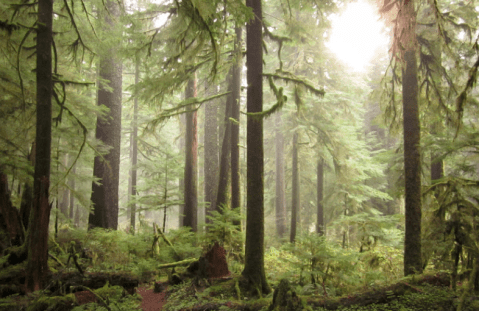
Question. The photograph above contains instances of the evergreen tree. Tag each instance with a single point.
(106, 167)
(254, 248)
(191, 161)
(279, 190)
(411, 131)
(37, 241)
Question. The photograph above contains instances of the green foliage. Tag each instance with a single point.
(222, 229)
(111, 298)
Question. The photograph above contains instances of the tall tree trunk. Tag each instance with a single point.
(222, 193)
(11, 231)
(27, 195)
(295, 206)
(254, 248)
(412, 155)
(37, 241)
(71, 203)
(320, 186)
(211, 152)
(65, 194)
(235, 115)
(108, 130)
(181, 181)
(280, 193)
(191, 162)
(134, 151)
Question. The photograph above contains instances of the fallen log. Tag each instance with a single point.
(177, 263)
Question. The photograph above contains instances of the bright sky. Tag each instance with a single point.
(356, 35)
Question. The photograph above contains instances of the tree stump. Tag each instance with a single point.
(212, 265)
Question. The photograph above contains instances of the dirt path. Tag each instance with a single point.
(151, 301)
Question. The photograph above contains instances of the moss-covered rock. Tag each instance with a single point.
(286, 299)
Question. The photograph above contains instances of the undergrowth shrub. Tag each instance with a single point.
(222, 230)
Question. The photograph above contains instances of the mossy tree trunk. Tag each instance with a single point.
(235, 115)
(134, 151)
(108, 130)
(319, 191)
(222, 193)
(295, 206)
(280, 200)
(254, 250)
(211, 152)
(412, 155)
(191, 162)
(37, 240)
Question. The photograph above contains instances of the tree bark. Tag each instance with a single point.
(211, 153)
(107, 167)
(37, 240)
(295, 206)
(235, 115)
(320, 209)
(412, 155)
(191, 162)
(10, 221)
(222, 193)
(71, 203)
(27, 195)
(134, 151)
(254, 248)
(280, 193)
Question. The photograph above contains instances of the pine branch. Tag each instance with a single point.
(297, 81)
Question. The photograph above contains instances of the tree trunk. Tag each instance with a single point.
(254, 248)
(134, 151)
(37, 240)
(181, 181)
(235, 115)
(65, 194)
(10, 222)
(191, 161)
(295, 206)
(320, 186)
(107, 167)
(222, 194)
(71, 203)
(412, 155)
(280, 193)
(27, 195)
(211, 153)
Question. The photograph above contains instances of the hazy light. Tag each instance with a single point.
(356, 35)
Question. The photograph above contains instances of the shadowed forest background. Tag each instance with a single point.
(137, 134)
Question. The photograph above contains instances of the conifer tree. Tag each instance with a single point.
(191, 162)
(211, 153)
(280, 199)
(37, 241)
(254, 248)
(411, 132)
(295, 205)
(319, 201)
(107, 167)
(235, 121)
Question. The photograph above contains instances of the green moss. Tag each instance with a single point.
(56, 303)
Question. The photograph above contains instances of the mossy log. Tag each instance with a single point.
(177, 263)
(383, 295)
(70, 282)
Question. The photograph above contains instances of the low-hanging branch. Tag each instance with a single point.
(296, 80)
(177, 110)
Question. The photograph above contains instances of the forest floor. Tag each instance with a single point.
(151, 301)
(418, 293)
